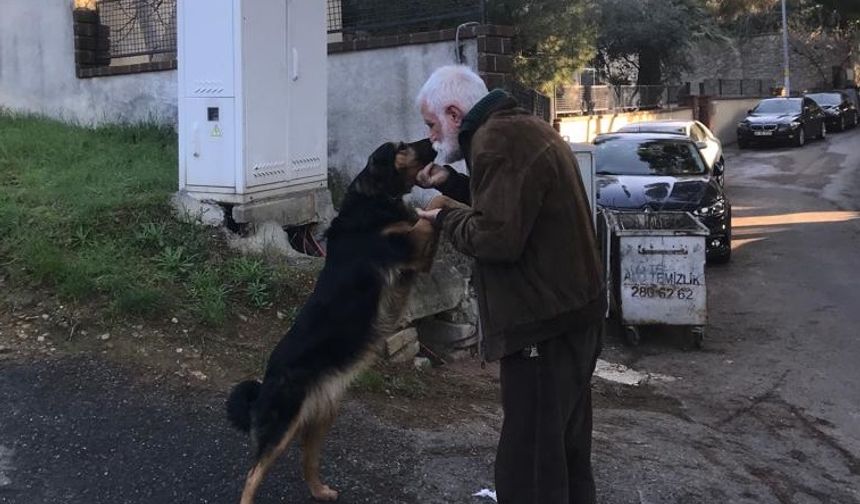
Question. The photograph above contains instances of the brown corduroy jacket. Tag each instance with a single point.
(529, 227)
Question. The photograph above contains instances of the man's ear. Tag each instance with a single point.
(455, 114)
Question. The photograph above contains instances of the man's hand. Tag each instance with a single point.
(431, 176)
(429, 215)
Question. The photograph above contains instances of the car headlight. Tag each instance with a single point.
(715, 209)
(794, 125)
(743, 125)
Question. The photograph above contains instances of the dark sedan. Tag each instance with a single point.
(787, 119)
(657, 172)
(840, 110)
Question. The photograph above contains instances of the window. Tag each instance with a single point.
(124, 36)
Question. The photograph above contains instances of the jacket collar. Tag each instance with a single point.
(494, 101)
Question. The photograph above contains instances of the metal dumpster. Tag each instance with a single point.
(656, 271)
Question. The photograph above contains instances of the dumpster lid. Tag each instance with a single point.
(654, 223)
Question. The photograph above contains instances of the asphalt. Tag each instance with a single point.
(767, 412)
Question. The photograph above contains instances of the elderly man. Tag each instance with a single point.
(523, 214)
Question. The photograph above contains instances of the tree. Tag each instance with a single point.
(652, 36)
(554, 38)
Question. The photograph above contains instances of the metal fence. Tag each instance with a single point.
(738, 87)
(576, 99)
(531, 100)
(388, 17)
(139, 27)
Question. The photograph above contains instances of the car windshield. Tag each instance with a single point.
(635, 156)
(778, 106)
(823, 99)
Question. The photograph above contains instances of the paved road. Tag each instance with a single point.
(768, 412)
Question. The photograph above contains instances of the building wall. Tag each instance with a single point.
(584, 128)
(371, 96)
(37, 72)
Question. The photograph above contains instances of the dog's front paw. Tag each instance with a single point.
(324, 493)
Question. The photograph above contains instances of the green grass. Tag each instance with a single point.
(84, 212)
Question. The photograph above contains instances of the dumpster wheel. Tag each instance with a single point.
(697, 333)
(632, 336)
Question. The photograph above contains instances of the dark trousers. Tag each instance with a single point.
(544, 454)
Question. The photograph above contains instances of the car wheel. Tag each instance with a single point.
(742, 144)
(801, 137)
(842, 124)
(823, 132)
(856, 119)
(723, 258)
(726, 256)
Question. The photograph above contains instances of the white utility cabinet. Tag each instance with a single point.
(585, 159)
(252, 98)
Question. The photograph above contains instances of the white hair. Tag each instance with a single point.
(450, 85)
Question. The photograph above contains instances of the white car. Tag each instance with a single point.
(709, 145)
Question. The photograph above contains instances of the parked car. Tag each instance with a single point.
(841, 111)
(710, 145)
(783, 119)
(662, 171)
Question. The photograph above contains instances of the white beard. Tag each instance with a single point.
(448, 149)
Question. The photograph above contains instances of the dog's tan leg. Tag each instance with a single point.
(425, 240)
(401, 227)
(312, 446)
(258, 472)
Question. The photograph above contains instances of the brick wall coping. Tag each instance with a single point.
(155, 66)
(362, 44)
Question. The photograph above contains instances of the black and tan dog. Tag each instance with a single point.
(375, 247)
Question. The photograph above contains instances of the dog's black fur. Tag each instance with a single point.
(338, 328)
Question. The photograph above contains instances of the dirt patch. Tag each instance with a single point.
(455, 394)
(36, 324)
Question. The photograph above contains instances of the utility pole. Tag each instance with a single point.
(787, 82)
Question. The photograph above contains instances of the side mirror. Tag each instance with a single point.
(702, 145)
(750, 111)
(719, 169)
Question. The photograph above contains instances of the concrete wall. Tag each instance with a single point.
(585, 128)
(371, 97)
(37, 72)
(725, 116)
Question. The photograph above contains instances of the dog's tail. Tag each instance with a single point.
(239, 404)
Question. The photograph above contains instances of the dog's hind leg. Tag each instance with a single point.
(258, 472)
(312, 446)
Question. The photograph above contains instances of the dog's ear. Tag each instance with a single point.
(382, 160)
(379, 175)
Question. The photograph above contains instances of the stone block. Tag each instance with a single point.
(465, 313)
(190, 209)
(400, 340)
(290, 210)
(407, 353)
(443, 289)
(266, 238)
(420, 363)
